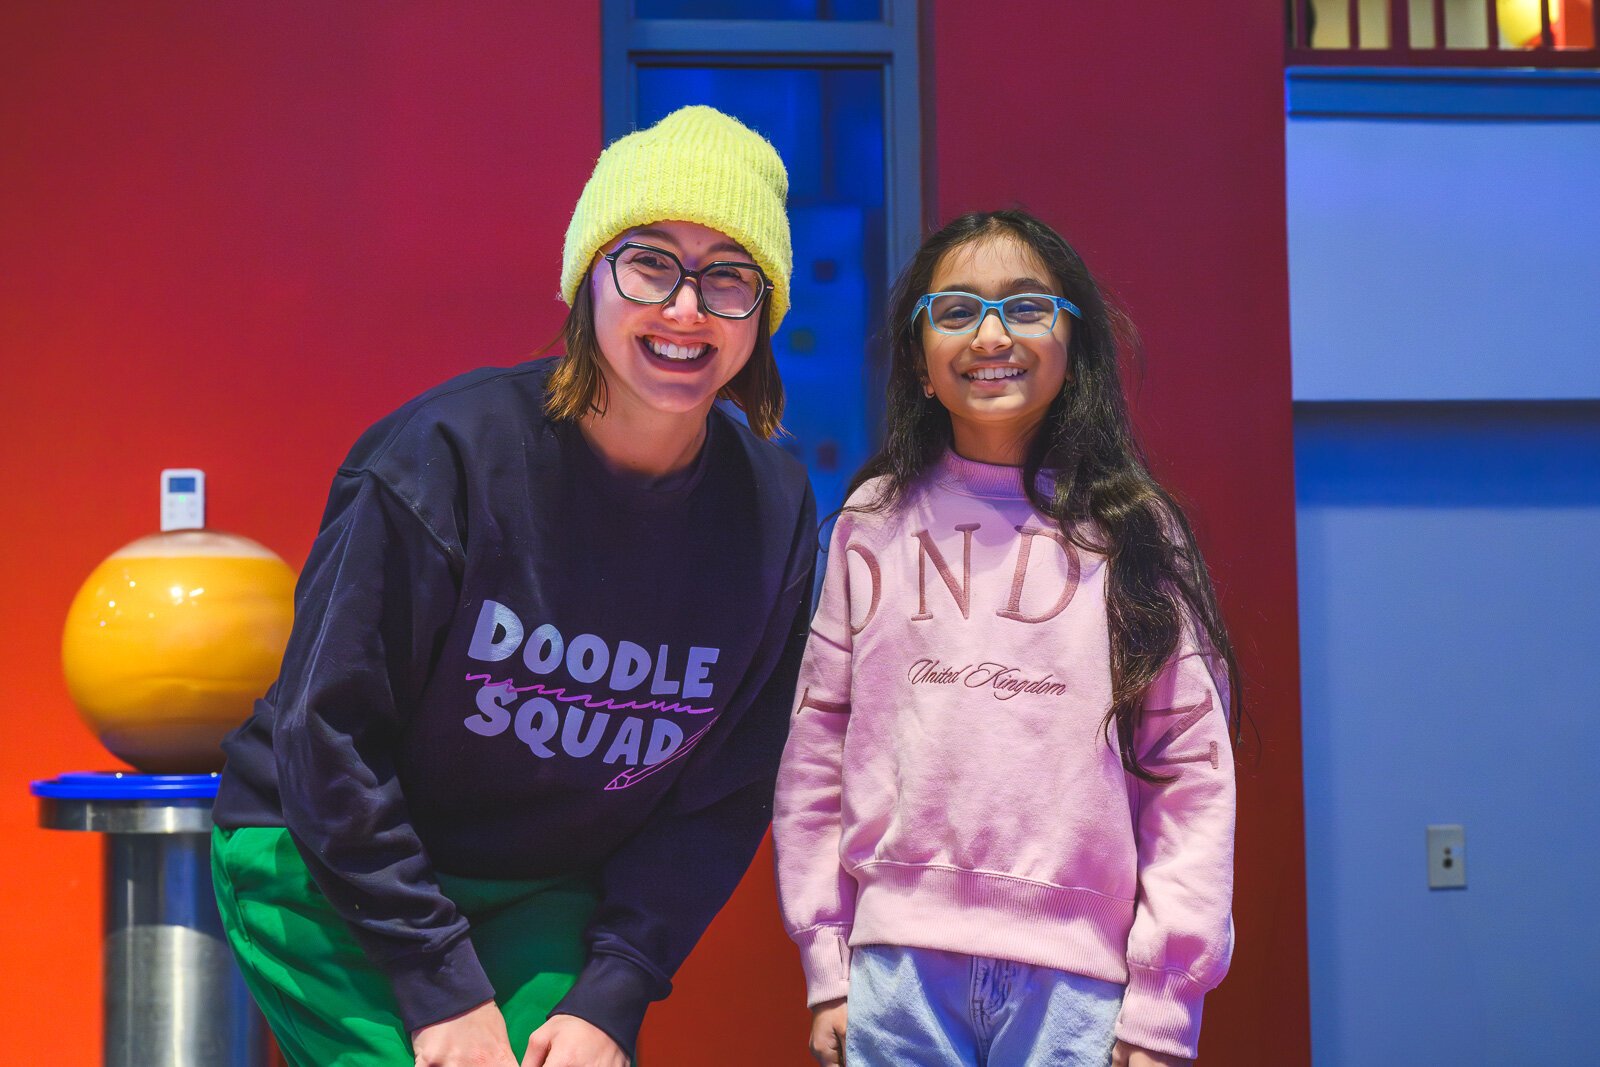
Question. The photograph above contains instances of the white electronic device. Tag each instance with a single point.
(183, 499)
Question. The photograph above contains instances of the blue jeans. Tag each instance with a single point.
(912, 1007)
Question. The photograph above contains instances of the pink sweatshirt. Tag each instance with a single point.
(947, 784)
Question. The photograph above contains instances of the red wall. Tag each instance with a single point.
(232, 235)
(1159, 153)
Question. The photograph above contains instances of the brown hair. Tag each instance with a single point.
(578, 386)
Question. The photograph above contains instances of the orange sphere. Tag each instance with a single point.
(169, 642)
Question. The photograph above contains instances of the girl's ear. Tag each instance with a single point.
(922, 376)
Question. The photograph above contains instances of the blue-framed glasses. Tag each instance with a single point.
(1023, 315)
(645, 274)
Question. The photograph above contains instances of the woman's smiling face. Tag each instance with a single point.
(997, 387)
(669, 358)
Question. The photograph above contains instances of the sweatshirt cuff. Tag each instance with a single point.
(612, 993)
(1161, 1012)
(825, 956)
(435, 986)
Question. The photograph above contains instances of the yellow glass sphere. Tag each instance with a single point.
(170, 641)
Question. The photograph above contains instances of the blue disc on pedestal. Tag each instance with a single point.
(126, 785)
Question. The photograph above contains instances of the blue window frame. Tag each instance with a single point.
(834, 87)
(843, 10)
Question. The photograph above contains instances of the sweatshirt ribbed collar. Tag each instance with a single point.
(989, 480)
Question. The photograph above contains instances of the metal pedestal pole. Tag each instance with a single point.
(173, 995)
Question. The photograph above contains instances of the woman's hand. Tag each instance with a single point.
(475, 1038)
(827, 1032)
(1126, 1055)
(568, 1041)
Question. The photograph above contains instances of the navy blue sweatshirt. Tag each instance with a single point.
(508, 663)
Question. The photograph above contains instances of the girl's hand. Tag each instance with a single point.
(1126, 1055)
(477, 1038)
(568, 1041)
(827, 1032)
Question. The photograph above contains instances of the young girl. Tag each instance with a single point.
(523, 742)
(1004, 817)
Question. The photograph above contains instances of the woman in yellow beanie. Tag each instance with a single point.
(523, 742)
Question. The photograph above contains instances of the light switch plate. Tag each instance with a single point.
(1447, 857)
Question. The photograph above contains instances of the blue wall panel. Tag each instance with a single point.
(1440, 259)
(1450, 617)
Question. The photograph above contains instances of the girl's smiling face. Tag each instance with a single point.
(996, 387)
(672, 358)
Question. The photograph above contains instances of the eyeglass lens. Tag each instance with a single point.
(1025, 315)
(648, 276)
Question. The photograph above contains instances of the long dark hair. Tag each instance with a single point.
(577, 387)
(1104, 498)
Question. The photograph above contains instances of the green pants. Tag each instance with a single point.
(328, 1006)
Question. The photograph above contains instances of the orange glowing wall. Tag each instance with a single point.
(233, 235)
(1575, 27)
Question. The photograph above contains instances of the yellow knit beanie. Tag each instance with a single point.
(695, 165)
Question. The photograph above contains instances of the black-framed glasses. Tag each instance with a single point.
(1023, 315)
(728, 289)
